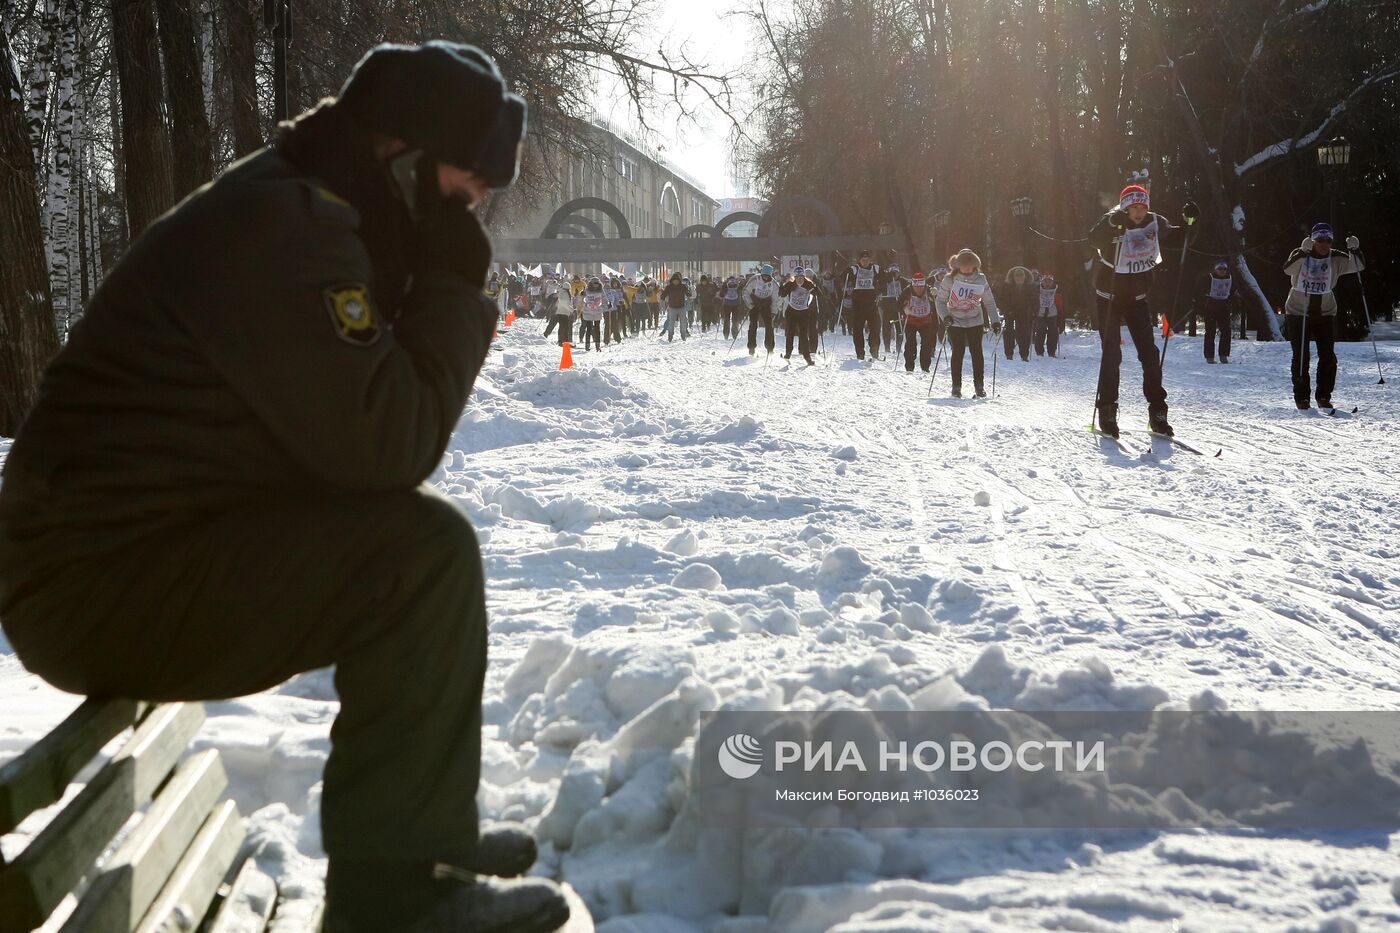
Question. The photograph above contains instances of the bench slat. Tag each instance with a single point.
(185, 899)
(126, 886)
(248, 906)
(39, 777)
(54, 861)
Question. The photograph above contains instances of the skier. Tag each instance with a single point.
(1219, 293)
(891, 288)
(862, 280)
(593, 308)
(916, 303)
(1019, 301)
(967, 308)
(1050, 308)
(689, 306)
(830, 301)
(561, 306)
(758, 298)
(1129, 240)
(1311, 309)
(705, 293)
(799, 292)
(251, 501)
(676, 293)
(492, 291)
(732, 298)
(614, 319)
(651, 292)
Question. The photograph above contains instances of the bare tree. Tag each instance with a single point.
(27, 337)
(145, 138)
(184, 88)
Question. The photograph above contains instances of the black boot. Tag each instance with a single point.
(505, 850)
(957, 391)
(1108, 420)
(981, 392)
(1157, 422)
(423, 897)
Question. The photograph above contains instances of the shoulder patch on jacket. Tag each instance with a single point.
(352, 315)
(325, 204)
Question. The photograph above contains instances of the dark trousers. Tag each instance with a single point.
(1016, 332)
(890, 330)
(1217, 322)
(730, 316)
(1047, 335)
(385, 586)
(591, 331)
(614, 324)
(923, 335)
(1322, 330)
(797, 326)
(865, 323)
(761, 313)
(565, 323)
(964, 339)
(654, 313)
(1138, 319)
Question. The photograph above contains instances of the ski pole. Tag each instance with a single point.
(1367, 308)
(936, 360)
(994, 369)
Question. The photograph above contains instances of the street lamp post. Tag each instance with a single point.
(940, 220)
(277, 16)
(1333, 159)
(1022, 207)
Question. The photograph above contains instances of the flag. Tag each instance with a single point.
(558, 268)
(535, 272)
(1166, 327)
(609, 270)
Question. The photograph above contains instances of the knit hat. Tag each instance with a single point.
(1133, 194)
(1321, 231)
(918, 280)
(446, 98)
(766, 269)
(1222, 264)
(1047, 277)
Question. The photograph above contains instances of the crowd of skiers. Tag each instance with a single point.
(881, 308)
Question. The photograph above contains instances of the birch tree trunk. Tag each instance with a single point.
(57, 202)
(27, 338)
(38, 90)
(145, 142)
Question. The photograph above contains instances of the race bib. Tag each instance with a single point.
(593, 302)
(1141, 250)
(731, 295)
(1316, 276)
(918, 307)
(1047, 302)
(763, 289)
(893, 288)
(966, 296)
(865, 278)
(1220, 288)
(800, 298)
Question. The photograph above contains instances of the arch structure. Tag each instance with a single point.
(565, 215)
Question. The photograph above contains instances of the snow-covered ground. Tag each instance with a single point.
(669, 529)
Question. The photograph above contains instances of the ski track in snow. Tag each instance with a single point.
(669, 528)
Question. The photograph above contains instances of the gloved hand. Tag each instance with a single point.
(1190, 212)
(1353, 242)
(996, 327)
(449, 238)
(1118, 218)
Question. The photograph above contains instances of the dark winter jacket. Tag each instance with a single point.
(675, 294)
(1019, 302)
(1126, 288)
(706, 292)
(236, 355)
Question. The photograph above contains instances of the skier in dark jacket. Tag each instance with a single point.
(1217, 295)
(1314, 269)
(800, 307)
(676, 294)
(706, 295)
(920, 314)
(1129, 240)
(220, 484)
(1018, 303)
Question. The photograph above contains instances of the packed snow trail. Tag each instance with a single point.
(667, 529)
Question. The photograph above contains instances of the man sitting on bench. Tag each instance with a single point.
(219, 486)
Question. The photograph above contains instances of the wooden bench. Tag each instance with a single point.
(106, 859)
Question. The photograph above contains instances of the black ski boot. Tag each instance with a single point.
(1325, 402)
(1157, 422)
(1303, 404)
(957, 391)
(1108, 421)
(506, 850)
(423, 897)
(981, 392)
(808, 358)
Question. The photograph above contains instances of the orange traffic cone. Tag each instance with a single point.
(567, 360)
(510, 317)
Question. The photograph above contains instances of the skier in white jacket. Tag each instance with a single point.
(967, 309)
